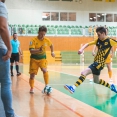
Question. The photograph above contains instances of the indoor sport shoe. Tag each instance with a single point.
(113, 88)
(18, 74)
(69, 88)
(31, 90)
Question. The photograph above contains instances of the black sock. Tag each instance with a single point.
(17, 68)
(11, 69)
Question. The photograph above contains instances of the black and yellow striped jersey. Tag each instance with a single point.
(104, 48)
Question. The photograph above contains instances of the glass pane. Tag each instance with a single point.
(72, 16)
(54, 16)
(46, 16)
(115, 17)
(109, 17)
(92, 17)
(63, 16)
(100, 17)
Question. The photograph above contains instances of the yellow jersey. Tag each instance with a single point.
(35, 43)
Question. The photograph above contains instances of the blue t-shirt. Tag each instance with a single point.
(15, 46)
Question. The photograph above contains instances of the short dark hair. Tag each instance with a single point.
(101, 30)
(43, 28)
(14, 34)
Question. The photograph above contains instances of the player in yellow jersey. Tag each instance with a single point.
(38, 60)
(104, 45)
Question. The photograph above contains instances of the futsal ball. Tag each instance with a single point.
(48, 90)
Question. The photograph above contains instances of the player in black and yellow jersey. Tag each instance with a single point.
(108, 61)
(104, 45)
(38, 56)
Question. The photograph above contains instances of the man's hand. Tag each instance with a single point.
(41, 48)
(80, 51)
(52, 54)
(93, 53)
(7, 56)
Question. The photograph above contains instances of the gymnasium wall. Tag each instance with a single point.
(60, 43)
(26, 12)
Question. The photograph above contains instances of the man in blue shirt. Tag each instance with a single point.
(5, 54)
(16, 51)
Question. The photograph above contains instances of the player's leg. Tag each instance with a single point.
(17, 64)
(43, 66)
(5, 80)
(104, 83)
(33, 69)
(11, 66)
(109, 71)
(81, 79)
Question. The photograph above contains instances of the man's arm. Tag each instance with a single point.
(52, 51)
(5, 36)
(94, 50)
(35, 51)
(112, 52)
(82, 48)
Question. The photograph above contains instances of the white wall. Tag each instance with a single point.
(25, 12)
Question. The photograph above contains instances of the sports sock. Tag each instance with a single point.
(17, 68)
(110, 74)
(11, 69)
(80, 80)
(31, 83)
(46, 78)
(102, 82)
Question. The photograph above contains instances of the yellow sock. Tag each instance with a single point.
(110, 74)
(102, 82)
(31, 83)
(46, 78)
(80, 80)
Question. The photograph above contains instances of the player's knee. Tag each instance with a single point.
(32, 76)
(83, 73)
(44, 70)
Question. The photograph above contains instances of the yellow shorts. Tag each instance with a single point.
(109, 59)
(36, 64)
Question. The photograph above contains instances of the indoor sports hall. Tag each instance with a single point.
(70, 25)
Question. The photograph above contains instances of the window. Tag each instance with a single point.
(72, 16)
(109, 17)
(63, 16)
(115, 17)
(92, 17)
(100, 17)
(54, 16)
(46, 16)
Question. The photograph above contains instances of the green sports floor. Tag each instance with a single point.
(95, 95)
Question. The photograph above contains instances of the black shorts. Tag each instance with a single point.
(14, 57)
(94, 70)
